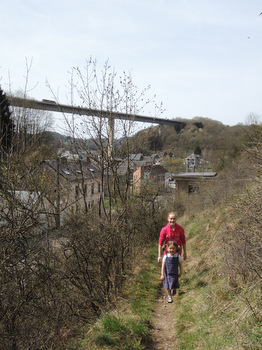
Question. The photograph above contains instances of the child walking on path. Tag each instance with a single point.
(171, 269)
(172, 232)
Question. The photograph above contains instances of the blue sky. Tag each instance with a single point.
(201, 58)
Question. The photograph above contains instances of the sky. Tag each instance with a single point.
(200, 58)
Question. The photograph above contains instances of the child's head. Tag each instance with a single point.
(171, 213)
(172, 247)
(171, 218)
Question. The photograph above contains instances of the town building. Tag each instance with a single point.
(77, 187)
(191, 182)
(192, 162)
(149, 174)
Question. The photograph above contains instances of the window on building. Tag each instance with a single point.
(192, 188)
(92, 189)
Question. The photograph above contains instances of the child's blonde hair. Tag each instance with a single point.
(172, 213)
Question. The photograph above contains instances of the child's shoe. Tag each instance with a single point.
(169, 299)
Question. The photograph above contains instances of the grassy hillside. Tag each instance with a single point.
(219, 302)
(218, 308)
(215, 309)
(214, 141)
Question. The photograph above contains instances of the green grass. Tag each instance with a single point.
(209, 313)
(122, 333)
(129, 330)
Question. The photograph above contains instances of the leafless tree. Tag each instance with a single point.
(106, 91)
(51, 286)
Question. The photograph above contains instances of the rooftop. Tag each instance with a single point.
(192, 175)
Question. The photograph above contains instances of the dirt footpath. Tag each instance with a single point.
(163, 333)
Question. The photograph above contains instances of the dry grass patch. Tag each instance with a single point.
(211, 313)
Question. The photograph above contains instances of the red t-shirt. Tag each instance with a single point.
(168, 234)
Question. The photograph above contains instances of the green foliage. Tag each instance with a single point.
(173, 164)
(198, 150)
(215, 142)
(199, 125)
(122, 333)
(128, 329)
(143, 293)
(179, 126)
(156, 142)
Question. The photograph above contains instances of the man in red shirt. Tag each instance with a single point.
(172, 232)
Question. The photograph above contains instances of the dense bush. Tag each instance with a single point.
(51, 286)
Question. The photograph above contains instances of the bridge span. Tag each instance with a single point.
(52, 106)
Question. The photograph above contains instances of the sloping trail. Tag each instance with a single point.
(163, 333)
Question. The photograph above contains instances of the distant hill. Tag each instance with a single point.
(212, 140)
(215, 142)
